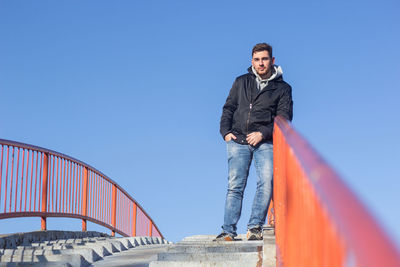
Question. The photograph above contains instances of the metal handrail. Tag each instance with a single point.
(52, 184)
(318, 220)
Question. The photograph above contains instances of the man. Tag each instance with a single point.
(247, 121)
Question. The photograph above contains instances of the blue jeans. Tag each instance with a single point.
(239, 160)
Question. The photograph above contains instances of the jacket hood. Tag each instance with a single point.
(262, 83)
(277, 72)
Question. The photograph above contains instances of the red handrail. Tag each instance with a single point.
(318, 220)
(35, 181)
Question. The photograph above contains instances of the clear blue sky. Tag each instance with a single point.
(136, 88)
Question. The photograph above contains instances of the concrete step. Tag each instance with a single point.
(139, 256)
(32, 255)
(37, 264)
(218, 247)
(214, 249)
(202, 251)
(13, 240)
(204, 264)
(249, 256)
(72, 260)
(73, 249)
(207, 238)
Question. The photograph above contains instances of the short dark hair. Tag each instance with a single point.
(262, 47)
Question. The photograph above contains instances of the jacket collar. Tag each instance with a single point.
(271, 85)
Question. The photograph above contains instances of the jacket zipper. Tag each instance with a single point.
(248, 115)
(248, 118)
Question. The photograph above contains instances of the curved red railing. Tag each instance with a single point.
(318, 220)
(39, 182)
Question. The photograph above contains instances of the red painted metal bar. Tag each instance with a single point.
(16, 183)
(12, 175)
(134, 219)
(92, 193)
(98, 204)
(44, 188)
(114, 208)
(5, 196)
(52, 184)
(57, 188)
(22, 179)
(26, 180)
(76, 188)
(76, 184)
(40, 178)
(66, 187)
(61, 191)
(64, 192)
(151, 229)
(79, 173)
(1, 168)
(102, 199)
(95, 194)
(85, 197)
(31, 181)
(71, 186)
(70, 179)
(108, 204)
(36, 172)
(89, 194)
(318, 220)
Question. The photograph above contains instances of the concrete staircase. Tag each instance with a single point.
(202, 251)
(61, 248)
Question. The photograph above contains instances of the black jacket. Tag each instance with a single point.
(249, 110)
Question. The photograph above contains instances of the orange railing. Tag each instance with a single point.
(39, 182)
(318, 220)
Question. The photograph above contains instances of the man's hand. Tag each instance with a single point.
(254, 138)
(229, 137)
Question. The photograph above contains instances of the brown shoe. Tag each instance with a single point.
(254, 234)
(224, 237)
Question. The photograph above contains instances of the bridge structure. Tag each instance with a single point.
(35, 181)
(318, 220)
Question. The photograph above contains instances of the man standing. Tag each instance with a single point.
(247, 121)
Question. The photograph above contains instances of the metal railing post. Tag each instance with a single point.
(114, 209)
(151, 228)
(134, 219)
(44, 189)
(85, 190)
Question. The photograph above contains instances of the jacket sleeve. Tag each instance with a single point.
(285, 104)
(266, 131)
(228, 110)
(284, 109)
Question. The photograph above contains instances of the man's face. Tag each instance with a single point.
(262, 63)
